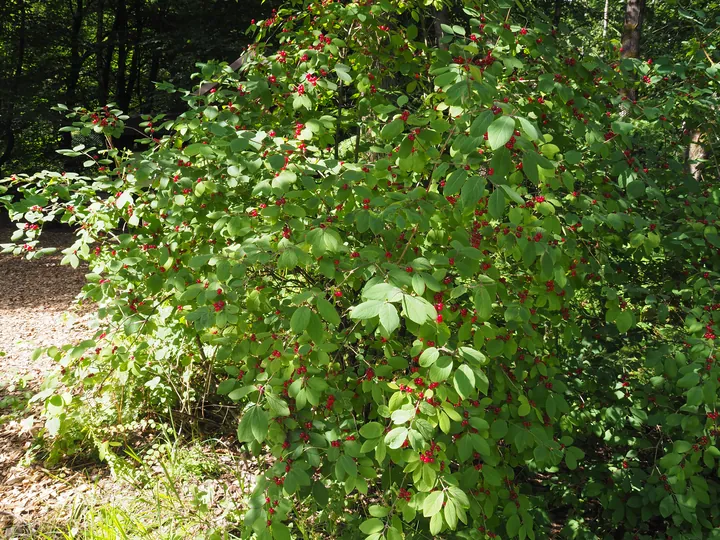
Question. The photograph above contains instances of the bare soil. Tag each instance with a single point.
(37, 309)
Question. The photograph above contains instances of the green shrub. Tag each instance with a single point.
(470, 287)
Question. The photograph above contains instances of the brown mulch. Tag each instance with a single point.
(37, 309)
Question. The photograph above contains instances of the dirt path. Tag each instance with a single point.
(37, 309)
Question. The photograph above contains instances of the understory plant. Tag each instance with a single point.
(455, 284)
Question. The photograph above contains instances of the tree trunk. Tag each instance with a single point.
(605, 18)
(122, 33)
(148, 104)
(134, 75)
(109, 54)
(441, 17)
(696, 151)
(631, 35)
(631, 28)
(75, 57)
(15, 85)
(102, 75)
(557, 12)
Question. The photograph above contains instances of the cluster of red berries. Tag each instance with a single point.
(428, 456)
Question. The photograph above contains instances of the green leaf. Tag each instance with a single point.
(288, 259)
(327, 311)
(348, 465)
(211, 112)
(667, 506)
(481, 124)
(396, 437)
(418, 284)
(450, 514)
(513, 525)
(472, 191)
(239, 393)
(278, 407)
(384, 292)
(300, 319)
(259, 424)
(366, 310)
(573, 157)
(429, 356)
(253, 425)
(496, 204)
(433, 503)
(464, 381)
(455, 182)
(529, 128)
(689, 380)
(498, 429)
(510, 192)
(441, 369)
(695, 396)
(320, 493)
(343, 72)
(393, 129)
(473, 356)
(624, 321)
(280, 531)
(389, 318)
(417, 309)
(572, 455)
(372, 525)
(372, 430)
(500, 131)
(436, 523)
(483, 304)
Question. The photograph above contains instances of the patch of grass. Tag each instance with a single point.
(14, 398)
(170, 490)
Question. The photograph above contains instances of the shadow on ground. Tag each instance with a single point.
(37, 309)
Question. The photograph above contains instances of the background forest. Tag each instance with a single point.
(89, 53)
(85, 52)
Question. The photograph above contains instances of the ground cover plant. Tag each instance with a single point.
(455, 282)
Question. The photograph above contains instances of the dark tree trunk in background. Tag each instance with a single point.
(158, 15)
(441, 17)
(631, 35)
(696, 151)
(75, 57)
(134, 76)
(121, 24)
(632, 28)
(102, 75)
(109, 53)
(147, 96)
(9, 133)
(557, 13)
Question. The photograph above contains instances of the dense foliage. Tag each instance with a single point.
(458, 289)
(90, 52)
